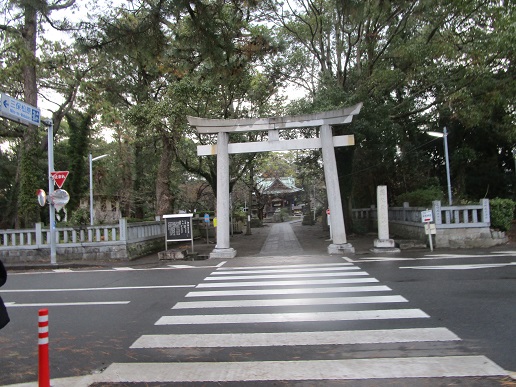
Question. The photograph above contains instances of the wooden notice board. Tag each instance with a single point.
(178, 228)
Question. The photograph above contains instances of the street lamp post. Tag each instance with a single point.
(91, 184)
(444, 134)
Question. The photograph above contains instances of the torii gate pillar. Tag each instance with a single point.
(273, 125)
(337, 225)
(222, 248)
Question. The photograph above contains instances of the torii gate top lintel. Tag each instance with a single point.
(332, 117)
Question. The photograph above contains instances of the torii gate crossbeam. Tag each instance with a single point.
(272, 125)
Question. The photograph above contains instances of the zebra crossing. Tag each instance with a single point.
(315, 322)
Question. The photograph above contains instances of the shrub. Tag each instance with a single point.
(420, 198)
(502, 213)
(256, 223)
(80, 217)
(360, 226)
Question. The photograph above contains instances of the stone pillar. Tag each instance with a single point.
(222, 248)
(338, 229)
(486, 212)
(383, 244)
(436, 208)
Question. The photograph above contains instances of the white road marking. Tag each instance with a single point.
(125, 268)
(289, 302)
(412, 367)
(110, 270)
(221, 264)
(439, 256)
(286, 275)
(48, 304)
(460, 267)
(272, 267)
(288, 283)
(424, 258)
(295, 338)
(305, 270)
(249, 292)
(94, 289)
(293, 317)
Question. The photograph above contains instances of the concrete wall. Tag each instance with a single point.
(109, 251)
(477, 237)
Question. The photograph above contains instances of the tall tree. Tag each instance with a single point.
(417, 66)
(21, 32)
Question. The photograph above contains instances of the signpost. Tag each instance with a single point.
(207, 221)
(328, 216)
(19, 111)
(427, 217)
(178, 228)
(26, 114)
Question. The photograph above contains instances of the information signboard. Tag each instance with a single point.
(19, 111)
(178, 228)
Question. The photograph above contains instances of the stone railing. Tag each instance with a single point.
(457, 226)
(118, 241)
(104, 242)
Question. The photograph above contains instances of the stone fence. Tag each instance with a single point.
(104, 242)
(118, 241)
(456, 226)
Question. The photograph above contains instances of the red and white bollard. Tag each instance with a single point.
(43, 364)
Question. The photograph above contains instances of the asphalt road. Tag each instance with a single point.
(471, 293)
(129, 322)
(94, 316)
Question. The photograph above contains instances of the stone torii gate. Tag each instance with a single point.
(326, 141)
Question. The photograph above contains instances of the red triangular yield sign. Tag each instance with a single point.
(59, 177)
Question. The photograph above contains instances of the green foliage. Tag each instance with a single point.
(502, 213)
(80, 217)
(78, 155)
(239, 216)
(421, 197)
(417, 66)
(31, 179)
(256, 223)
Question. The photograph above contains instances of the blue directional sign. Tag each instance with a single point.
(19, 111)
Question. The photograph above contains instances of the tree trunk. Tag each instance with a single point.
(164, 197)
(28, 207)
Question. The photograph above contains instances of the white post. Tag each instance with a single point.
(333, 191)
